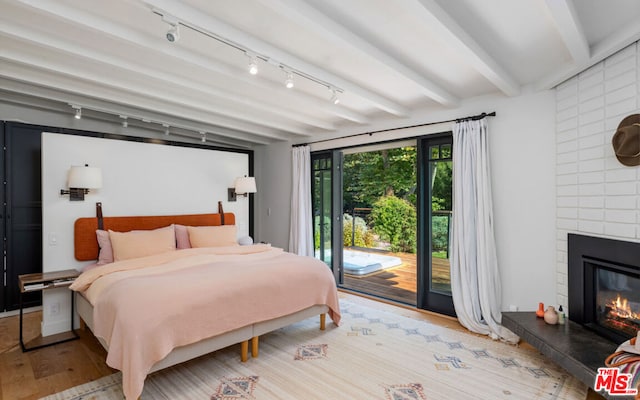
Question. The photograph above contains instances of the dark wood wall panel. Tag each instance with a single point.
(23, 210)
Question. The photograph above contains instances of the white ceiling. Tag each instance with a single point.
(387, 59)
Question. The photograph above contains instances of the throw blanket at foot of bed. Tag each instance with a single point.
(146, 307)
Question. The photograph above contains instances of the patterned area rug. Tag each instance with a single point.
(373, 355)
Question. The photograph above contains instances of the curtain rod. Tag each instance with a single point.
(470, 118)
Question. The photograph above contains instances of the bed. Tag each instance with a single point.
(158, 310)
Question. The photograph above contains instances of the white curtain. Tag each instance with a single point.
(301, 230)
(475, 278)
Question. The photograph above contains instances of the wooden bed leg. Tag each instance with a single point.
(323, 321)
(83, 325)
(254, 346)
(244, 351)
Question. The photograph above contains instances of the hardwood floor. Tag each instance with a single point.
(38, 373)
(29, 376)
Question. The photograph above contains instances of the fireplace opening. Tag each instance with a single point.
(604, 285)
(617, 299)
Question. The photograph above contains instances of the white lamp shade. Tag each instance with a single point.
(85, 177)
(246, 184)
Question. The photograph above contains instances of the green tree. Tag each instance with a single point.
(441, 191)
(395, 221)
(368, 176)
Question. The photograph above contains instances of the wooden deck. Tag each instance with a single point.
(398, 283)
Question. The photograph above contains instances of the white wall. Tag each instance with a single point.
(522, 143)
(138, 179)
(272, 165)
(522, 151)
(597, 195)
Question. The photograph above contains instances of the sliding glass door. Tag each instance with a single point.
(382, 219)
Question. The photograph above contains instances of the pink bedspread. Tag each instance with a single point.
(144, 308)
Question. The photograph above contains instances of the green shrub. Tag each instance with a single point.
(316, 230)
(395, 221)
(440, 233)
(363, 236)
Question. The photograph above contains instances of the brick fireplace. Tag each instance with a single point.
(595, 194)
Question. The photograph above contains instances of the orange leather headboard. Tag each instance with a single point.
(84, 230)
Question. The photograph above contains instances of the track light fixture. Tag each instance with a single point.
(289, 81)
(125, 123)
(203, 139)
(253, 63)
(166, 129)
(253, 68)
(334, 96)
(173, 34)
(78, 111)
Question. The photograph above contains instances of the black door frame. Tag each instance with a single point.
(428, 299)
(320, 189)
(335, 157)
(3, 292)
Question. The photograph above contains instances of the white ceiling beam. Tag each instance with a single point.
(21, 32)
(206, 23)
(301, 12)
(615, 42)
(130, 86)
(144, 127)
(157, 44)
(570, 29)
(27, 94)
(460, 41)
(53, 79)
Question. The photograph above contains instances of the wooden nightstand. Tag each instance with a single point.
(44, 281)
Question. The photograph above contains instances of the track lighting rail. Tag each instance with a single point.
(253, 55)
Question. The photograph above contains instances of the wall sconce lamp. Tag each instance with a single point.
(80, 180)
(242, 187)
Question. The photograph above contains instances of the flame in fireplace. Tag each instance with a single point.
(621, 308)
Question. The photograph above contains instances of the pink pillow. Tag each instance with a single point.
(134, 244)
(105, 256)
(182, 237)
(213, 236)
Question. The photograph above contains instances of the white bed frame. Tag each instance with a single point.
(241, 335)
